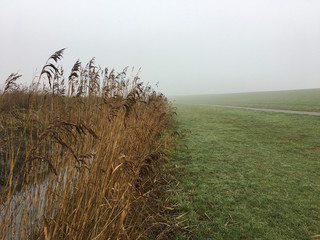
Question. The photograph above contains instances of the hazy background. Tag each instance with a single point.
(188, 46)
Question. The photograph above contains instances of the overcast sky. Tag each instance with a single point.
(188, 46)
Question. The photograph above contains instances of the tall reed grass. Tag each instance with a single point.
(79, 155)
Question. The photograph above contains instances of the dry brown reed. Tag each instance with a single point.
(79, 159)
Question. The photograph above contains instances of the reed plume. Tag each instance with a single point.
(80, 158)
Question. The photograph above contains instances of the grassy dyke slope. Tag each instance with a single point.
(303, 100)
(248, 174)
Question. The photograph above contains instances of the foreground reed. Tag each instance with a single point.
(79, 157)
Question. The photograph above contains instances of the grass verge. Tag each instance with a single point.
(248, 174)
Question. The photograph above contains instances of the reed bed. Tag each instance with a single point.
(80, 155)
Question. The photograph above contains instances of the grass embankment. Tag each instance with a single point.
(80, 160)
(300, 100)
(248, 174)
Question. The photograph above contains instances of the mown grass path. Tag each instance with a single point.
(265, 109)
(248, 174)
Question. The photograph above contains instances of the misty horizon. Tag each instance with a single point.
(189, 47)
(230, 93)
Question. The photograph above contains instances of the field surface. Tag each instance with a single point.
(300, 100)
(248, 174)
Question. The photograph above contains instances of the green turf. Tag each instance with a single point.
(303, 100)
(248, 174)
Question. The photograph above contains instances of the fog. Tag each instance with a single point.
(188, 46)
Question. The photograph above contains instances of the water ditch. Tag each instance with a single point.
(26, 207)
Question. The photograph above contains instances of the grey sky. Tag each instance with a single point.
(188, 46)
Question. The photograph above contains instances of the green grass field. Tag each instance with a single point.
(303, 100)
(248, 174)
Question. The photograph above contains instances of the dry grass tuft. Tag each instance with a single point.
(80, 159)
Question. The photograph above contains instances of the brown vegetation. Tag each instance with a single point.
(79, 159)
